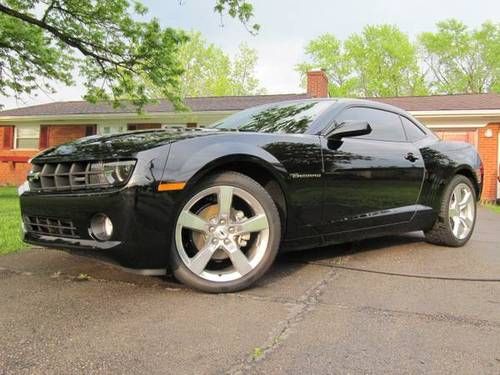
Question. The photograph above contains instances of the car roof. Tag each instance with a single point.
(346, 102)
(338, 105)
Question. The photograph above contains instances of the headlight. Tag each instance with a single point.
(118, 172)
(111, 173)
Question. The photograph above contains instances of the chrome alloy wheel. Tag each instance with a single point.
(461, 211)
(227, 242)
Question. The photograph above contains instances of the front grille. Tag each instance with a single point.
(50, 226)
(67, 176)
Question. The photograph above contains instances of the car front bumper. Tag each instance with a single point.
(141, 220)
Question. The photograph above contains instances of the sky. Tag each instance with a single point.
(287, 26)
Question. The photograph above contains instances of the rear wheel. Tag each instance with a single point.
(457, 216)
(226, 235)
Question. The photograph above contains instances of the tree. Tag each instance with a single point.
(116, 55)
(205, 68)
(208, 71)
(243, 78)
(381, 61)
(385, 62)
(327, 53)
(461, 60)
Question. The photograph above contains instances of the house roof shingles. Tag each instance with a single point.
(234, 103)
(216, 103)
(444, 102)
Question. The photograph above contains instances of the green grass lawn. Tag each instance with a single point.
(10, 221)
(494, 207)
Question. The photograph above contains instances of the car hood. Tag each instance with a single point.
(118, 145)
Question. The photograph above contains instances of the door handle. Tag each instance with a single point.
(410, 157)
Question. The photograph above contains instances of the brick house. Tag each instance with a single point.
(24, 131)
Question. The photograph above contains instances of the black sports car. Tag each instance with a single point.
(215, 205)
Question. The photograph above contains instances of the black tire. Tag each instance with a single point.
(237, 180)
(441, 233)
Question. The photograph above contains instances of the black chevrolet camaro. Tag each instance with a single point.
(214, 205)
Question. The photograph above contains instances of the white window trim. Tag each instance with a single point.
(114, 128)
(16, 129)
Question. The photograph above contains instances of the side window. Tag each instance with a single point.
(413, 132)
(386, 126)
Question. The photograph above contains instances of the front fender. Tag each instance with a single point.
(294, 160)
(187, 162)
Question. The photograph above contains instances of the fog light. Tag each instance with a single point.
(101, 227)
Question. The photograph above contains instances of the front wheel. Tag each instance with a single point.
(457, 216)
(226, 235)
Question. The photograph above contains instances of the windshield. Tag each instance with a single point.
(289, 117)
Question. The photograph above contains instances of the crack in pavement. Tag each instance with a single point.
(255, 297)
(299, 309)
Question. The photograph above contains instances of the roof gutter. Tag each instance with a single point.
(483, 115)
(457, 113)
(92, 117)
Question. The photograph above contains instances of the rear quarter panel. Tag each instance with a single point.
(443, 160)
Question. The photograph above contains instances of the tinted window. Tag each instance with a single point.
(291, 117)
(386, 126)
(413, 132)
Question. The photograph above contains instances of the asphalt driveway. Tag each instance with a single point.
(393, 305)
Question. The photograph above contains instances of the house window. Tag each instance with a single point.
(27, 136)
(143, 126)
(111, 129)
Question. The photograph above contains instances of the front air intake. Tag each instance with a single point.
(50, 226)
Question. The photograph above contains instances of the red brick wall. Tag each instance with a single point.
(14, 173)
(317, 84)
(488, 149)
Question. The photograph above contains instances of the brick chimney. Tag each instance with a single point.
(317, 84)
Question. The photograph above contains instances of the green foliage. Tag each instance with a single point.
(243, 77)
(10, 221)
(381, 61)
(208, 71)
(101, 41)
(461, 60)
(257, 353)
(327, 52)
(241, 9)
(385, 62)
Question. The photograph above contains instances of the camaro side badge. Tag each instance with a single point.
(305, 175)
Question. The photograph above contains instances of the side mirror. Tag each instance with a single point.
(349, 129)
